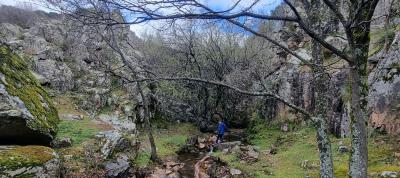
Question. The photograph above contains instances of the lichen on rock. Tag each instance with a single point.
(28, 161)
(26, 111)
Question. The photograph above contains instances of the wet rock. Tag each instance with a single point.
(170, 170)
(389, 174)
(227, 145)
(61, 142)
(173, 166)
(29, 161)
(343, 149)
(235, 172)
(119, 167)
(211, 166)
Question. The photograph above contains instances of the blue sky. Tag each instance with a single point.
(263, 6)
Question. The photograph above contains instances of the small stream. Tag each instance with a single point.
(190, 159)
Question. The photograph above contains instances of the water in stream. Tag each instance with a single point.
(191, 158)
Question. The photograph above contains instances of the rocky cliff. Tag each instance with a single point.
(27, 114)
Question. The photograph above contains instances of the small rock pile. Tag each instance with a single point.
(211, 166)
(170, 169)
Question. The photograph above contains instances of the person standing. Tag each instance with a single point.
(221, 130)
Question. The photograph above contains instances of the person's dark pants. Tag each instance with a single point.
(219, 137)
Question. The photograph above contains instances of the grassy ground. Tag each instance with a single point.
(80, 159)
(78, 130)
(169, 137)
(295, 147)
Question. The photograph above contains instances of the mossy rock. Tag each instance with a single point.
(27, 114)
(28, 161)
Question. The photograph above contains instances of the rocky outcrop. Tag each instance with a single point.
(384, 96)
(27, 115)
(29, 161)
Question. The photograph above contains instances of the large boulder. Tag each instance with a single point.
(27, 115)
(29, 161)
(384, 93)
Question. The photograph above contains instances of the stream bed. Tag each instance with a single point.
(191, 158)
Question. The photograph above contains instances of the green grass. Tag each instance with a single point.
(169, 137)
(143, 159)
(299, 145)
(77, 130)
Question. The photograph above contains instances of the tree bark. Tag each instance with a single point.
(324, 147)
(147, 124)
(321, 101)
(358, 37)
(359, 152)
(320, 88)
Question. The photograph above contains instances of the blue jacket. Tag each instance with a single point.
(221, 128)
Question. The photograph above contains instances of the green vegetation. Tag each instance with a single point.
(78, 130)
(20, 82)
(169, 137)
(378, 39)
(12, 158)
(295, 147)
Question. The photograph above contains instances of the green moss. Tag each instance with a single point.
(78, 131)
(20, 82)
(12, 158)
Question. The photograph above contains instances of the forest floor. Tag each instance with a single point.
(296, 150)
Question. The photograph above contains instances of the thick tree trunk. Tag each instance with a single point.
(359, 40)
(359, 152)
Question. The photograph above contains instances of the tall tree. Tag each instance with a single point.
(356, 24)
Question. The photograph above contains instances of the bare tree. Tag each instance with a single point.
(356, 24)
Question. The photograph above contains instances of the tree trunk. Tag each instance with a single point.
(320, 88)
(358, 82)
(324, 147)
(321, 103)
(147, 125)
(359, 152)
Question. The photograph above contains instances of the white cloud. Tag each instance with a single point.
(36, 4)
(143, 29)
